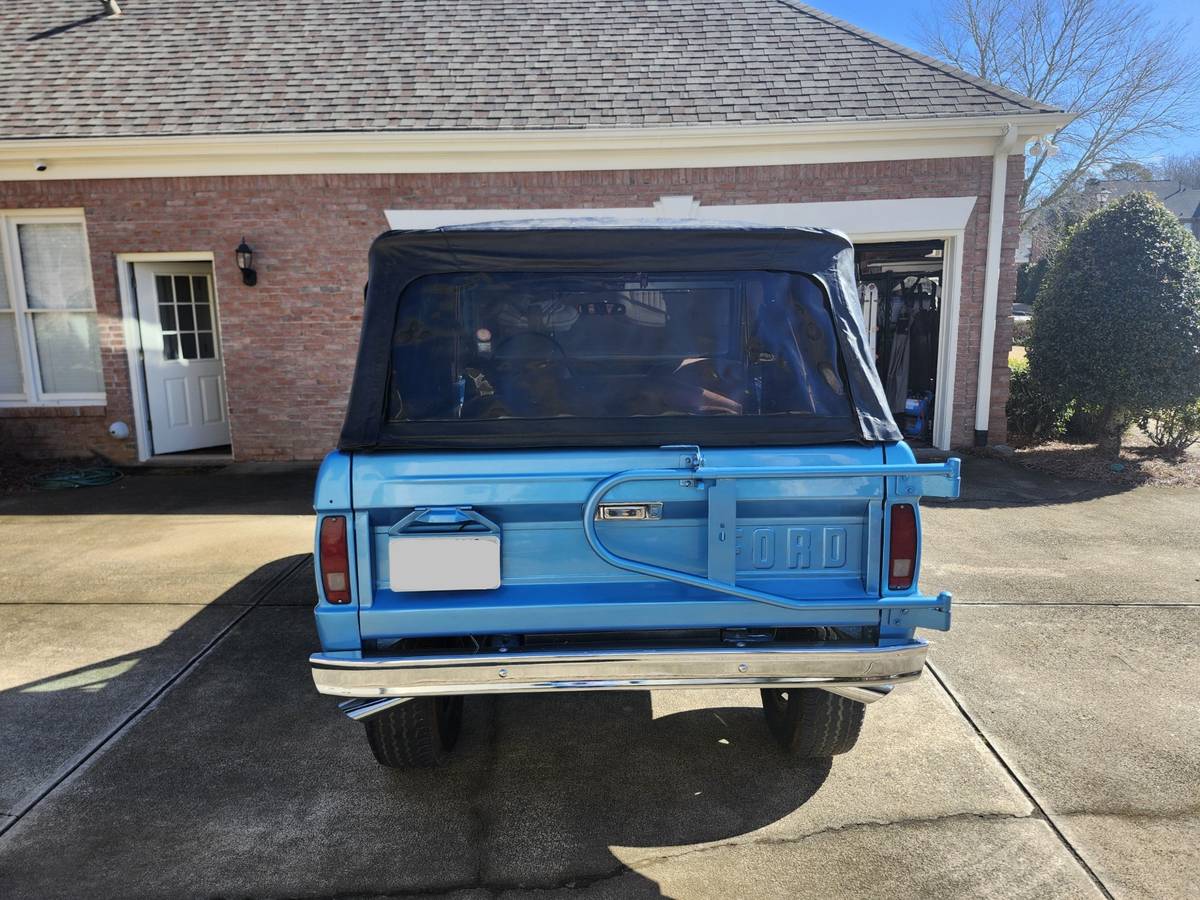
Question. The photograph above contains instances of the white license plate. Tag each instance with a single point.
(453, 562)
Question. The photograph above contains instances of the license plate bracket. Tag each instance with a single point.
(423, 556)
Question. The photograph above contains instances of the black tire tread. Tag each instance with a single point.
(406, 736)
(816, 723)
(832, 724)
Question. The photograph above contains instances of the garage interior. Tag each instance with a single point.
(900, 285)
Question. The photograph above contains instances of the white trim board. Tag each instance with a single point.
(197, 256)
(529, 150)
(928, 218)
(859, 219)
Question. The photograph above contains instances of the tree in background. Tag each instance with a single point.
(1184, 168)
(1047, 226)
(1127, 78)
(1116, 323)
(1130, 170)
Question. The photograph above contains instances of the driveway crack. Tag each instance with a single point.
(583, 882)
(831, 829)
(492, 889)
(1042, 813)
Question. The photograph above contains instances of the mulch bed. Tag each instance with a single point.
(1140, 462)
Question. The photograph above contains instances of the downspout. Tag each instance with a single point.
(991, 281)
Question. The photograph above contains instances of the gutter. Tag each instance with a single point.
(584, 149)
(1009, 141)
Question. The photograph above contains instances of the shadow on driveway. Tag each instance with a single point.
(134, 652)
(242, 779)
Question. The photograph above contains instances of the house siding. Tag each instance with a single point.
(289, 342)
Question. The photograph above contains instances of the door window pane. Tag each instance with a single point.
(11, 379)
(54, 265)
(162, 284)
(170, 346)
(183, 290)
(207, 346)
(166, 316)
(187, 342)
(68, 350)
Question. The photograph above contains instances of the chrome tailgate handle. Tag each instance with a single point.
(629, 512)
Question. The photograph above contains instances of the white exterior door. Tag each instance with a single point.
(185, 381)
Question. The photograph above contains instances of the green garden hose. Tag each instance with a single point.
(76, 478)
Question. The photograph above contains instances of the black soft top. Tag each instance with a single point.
(398, 258)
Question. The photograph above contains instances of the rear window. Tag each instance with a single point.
(490, 347)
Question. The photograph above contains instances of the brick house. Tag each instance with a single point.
(138, 148)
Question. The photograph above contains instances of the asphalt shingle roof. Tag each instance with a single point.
(170, 67)
(1185, 204)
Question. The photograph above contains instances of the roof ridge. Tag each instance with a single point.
(944, 67)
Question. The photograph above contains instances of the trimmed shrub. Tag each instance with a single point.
(1173, 429)
(1029, 280)
(1032, 410)
(1117, 320)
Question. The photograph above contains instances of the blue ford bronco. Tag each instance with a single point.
(597, 455)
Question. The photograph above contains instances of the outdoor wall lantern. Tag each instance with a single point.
(245, 262)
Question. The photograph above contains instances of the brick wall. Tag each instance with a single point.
(288, 342)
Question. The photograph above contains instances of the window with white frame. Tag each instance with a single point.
(49, 343)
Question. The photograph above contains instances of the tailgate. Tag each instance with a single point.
(755, 537)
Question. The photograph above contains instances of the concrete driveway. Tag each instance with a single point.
(161, 737)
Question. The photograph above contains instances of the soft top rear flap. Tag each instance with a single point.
(398, 258)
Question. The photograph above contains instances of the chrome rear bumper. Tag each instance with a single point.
(862, 673)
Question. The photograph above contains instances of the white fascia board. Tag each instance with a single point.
(512, 151)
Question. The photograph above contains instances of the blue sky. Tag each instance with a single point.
(897, 20)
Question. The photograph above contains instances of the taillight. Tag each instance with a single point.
(902, 557)
(335, 559)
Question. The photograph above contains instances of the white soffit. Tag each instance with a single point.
(860, 219)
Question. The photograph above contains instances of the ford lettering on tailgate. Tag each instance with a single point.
(791, 547)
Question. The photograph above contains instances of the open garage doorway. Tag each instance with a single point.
(901, 286)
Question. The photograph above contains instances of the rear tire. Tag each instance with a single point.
(417, 734)
(810, 723)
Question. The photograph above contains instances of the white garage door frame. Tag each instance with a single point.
(863, 221)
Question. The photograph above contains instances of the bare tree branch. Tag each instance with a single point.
(1126, 76)
(1183, 168)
